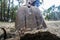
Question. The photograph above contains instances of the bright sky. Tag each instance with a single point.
(49, 3)
(46, 4)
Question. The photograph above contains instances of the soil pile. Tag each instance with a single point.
(40, 36)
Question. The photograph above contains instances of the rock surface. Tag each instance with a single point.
(52, 26)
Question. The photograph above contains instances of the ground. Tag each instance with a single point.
(52, 26)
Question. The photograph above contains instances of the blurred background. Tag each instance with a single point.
(50, 9)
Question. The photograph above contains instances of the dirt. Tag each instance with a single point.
(52, 26)
(40, 36)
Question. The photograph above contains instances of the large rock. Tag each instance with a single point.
(29, 18)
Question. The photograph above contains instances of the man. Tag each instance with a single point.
(29, 16)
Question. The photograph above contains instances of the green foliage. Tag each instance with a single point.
(13, 12)
(8, 9)
(59, 8)
(51, 14)
(47, 17)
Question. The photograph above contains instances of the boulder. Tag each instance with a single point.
(29, 18)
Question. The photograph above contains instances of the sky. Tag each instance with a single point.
(46, 4)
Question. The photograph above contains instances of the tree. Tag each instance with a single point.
(20, 1)
(3, 6)
(8, 9)
(52, 13)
